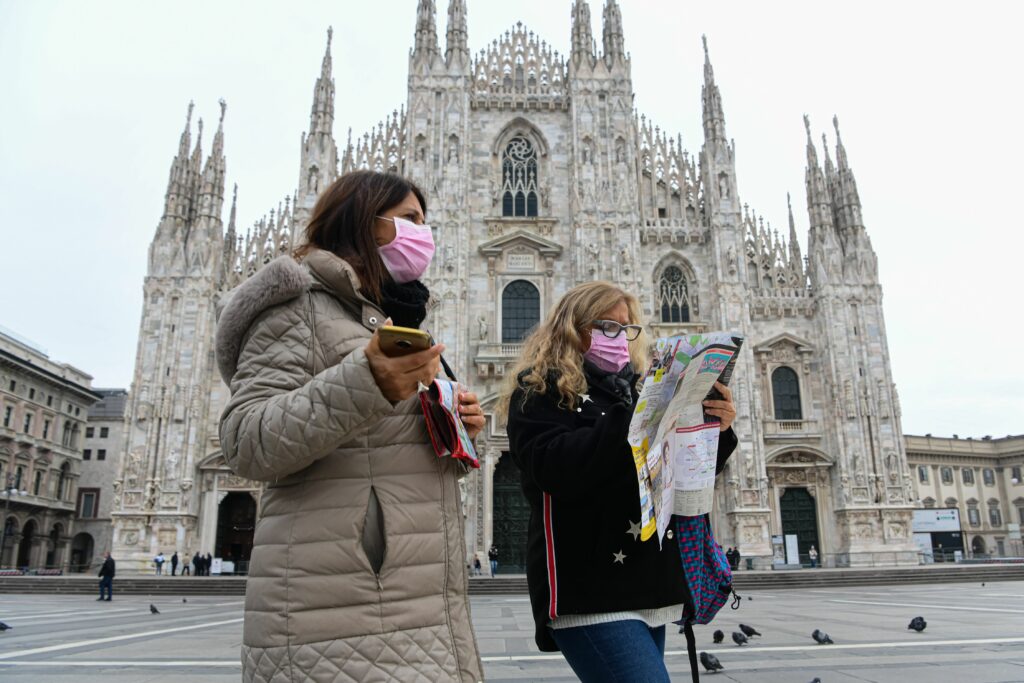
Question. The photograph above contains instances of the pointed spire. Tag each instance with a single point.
(830, 170)
(197, 153)
(321, 115)
(714, 117)
(178, 179)
(818, 202)
(426, 31)
(234, 208)
(840, 150)
(812, 154)
(582, 38)
(211, 197)
(457, 43)
(613, 41)
(186, 135)
(230, 238)
(795, 260)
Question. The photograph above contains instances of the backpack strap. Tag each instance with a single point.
(691, 651)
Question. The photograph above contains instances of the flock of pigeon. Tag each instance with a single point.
(152, 610)
(710, 662)
(743, 636)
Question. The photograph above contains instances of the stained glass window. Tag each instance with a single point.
(519, 193)
(673, 296)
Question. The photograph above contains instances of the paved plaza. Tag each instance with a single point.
(975, 633)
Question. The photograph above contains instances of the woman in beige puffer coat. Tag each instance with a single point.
(358, 570)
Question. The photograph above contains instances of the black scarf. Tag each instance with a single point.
(405, 304)
(618, 384)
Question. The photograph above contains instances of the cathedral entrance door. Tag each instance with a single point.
(796, 507)
(511, 517)
(236, 522)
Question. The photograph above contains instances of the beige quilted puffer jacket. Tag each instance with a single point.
(358, 570)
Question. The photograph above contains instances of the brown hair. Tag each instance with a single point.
(342, 222)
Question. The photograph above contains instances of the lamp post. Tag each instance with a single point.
(9, 490)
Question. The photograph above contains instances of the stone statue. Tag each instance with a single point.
(482, 326)
(171, 466)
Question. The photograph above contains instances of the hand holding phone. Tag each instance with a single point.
(401, 341)
(410, 360)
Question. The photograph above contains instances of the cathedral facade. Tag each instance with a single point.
(540, 175)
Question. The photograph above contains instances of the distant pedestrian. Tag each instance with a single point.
(159, 562)
(477, 567)
(207, 563)
(812, 554)
(186, 567)
(492, 555)
(197, 559)
(107, 577)
(174, 563)
(728, 556)
(736, 559)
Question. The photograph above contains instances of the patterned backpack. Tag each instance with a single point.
(708, 578)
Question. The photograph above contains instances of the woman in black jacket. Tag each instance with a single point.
(599, 594)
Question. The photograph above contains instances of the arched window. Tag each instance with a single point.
(520, 311)
(673, 296)
(786, 392)
(928, 502)
(519, 192)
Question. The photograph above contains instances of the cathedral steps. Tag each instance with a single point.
(516, 584)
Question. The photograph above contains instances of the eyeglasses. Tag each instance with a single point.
(612, 329)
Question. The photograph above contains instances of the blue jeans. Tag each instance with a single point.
(494, 567)
(108, 583)
(619, 651)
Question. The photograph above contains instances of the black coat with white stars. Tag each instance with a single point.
(584, 554)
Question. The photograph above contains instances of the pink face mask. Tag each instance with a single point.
(609, 354)
(408, 255)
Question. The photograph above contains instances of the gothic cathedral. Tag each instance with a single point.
(540, 175)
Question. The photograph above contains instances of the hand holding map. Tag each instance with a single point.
(675, 450)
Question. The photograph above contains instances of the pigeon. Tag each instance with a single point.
(153, 609)
(816, 680)
(719, 636)
(821, 637)
(918, 624)
(749, 631)
(739, 638)
(710, 662)
(4, 627)
(184, 599)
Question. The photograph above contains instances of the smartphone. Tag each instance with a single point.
(400, 341)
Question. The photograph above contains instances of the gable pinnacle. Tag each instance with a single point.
(714, 116)
(457, 39)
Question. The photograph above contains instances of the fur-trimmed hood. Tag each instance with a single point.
(279, 281)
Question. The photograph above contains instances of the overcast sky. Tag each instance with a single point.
(93, 98)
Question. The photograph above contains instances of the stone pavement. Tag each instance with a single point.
(975, 633)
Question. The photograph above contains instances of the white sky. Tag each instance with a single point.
(93, 98)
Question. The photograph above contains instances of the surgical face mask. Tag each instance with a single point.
(407, 256)
(609, 354)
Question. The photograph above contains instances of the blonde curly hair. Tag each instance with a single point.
(558, 343)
